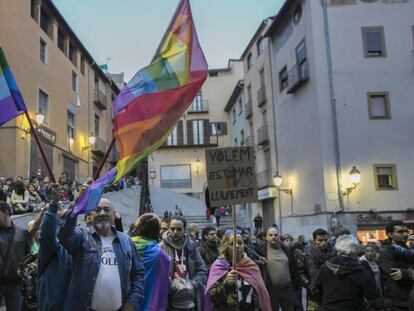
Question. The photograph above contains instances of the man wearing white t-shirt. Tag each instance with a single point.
(108, 274)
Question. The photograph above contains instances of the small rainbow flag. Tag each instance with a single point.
(11, 101)
(153, 101)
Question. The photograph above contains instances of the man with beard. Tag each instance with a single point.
(316, 254)
(209, 248)
(188, 273)
(107, 272)
(397, 277)
(277, 271)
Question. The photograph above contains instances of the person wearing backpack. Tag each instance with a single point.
(14, 245)
(54, 262)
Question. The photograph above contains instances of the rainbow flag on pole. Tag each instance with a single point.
(151, 104)
(11, 101)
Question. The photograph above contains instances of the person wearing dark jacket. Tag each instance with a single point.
(343, 282)
(396, 274)
(277, 271)
(315, 255)
(14, 245)
(209, 248)
(54, 262)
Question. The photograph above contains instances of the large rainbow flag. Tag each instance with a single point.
(151, 104)
(11, 101)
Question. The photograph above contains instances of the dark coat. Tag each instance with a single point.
(342, 283)
(397, 291)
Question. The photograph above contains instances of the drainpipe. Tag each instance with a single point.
(270, 44)
(333, 105)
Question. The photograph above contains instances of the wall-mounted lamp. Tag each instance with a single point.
(91, 141)
(40, 118)
(355, 175)
(278, 181)
(197, 165)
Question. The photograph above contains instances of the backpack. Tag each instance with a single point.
(27, 272)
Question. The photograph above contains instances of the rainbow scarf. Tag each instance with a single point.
(156, 264)
(150, 105)
(248, 270)
(148, 108)
(11, 100)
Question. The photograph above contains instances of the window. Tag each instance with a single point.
(197, 104)
(198, 132)
(240, 106)
(33, 10)
(235, 142)
(233, 115)
(74, 82)
(82, 67)
(249, 61)
(176, 136)
(301, 52)
(218, 128)
(69, 166)
(45, 23)
(283, 79)
(249, 93)
(44, 103)
(373, 41)
(61, 41)
(297, 14)
(172, 139)
(96, 125)
(72, 54)
(242, 138)
(385, 177)
(378, 106)
(176, 176)
(43, 51)
(70, 127)
(260, 46)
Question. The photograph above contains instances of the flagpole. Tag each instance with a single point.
(98, 172)
(52, 177)
(233, 214)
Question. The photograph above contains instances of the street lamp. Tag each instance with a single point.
(197, 165)
(278, 181)
(355, 175)
(40, 118)
(91, 141)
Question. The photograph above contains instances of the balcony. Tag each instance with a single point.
(99, 148)
(249, 141)
(298, 76)
(248, 109)
(100, 100)
(264, 179)
(263, 135)
(198, 106)
(261, 97)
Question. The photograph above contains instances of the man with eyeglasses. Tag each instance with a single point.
(107, 272)
(209, 248)
(188, 273)
(397, 275)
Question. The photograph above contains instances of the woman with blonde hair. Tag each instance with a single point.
(240, 289)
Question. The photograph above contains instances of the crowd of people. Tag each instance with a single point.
(165, 264)
(26, 195)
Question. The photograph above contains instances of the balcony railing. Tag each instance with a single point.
(99, 148)
(198, 106)
(263, 135)
(100, 100)
(249, 141)
(298, 76)
(174, 142)
(261, 97)
(264, 179)
(248, 109)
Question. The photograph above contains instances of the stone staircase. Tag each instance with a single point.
(225, 221)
